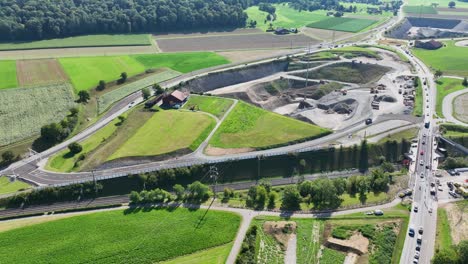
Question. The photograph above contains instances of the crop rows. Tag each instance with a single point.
(109, 98)
(23, 111)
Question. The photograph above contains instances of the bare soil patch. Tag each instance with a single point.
(281, 231)
(234, 42)
(214, 151)
(457, 214)
(249, 55)
(391, 42)
(356, 243)
(39, 72)
(460, 107)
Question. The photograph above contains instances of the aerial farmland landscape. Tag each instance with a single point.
(239, 132)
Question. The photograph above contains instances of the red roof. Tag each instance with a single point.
(179, 95)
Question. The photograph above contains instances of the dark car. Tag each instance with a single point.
(368, 121)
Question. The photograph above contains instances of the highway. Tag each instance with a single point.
(424, 208)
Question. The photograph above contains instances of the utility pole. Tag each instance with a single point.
(214, 177)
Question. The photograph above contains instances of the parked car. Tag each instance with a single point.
(368, 121)
(378, 212)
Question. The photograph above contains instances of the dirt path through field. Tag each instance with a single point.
(290, 256)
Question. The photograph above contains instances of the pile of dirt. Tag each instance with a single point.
(281, 231)
(357, 243)
(220, 79)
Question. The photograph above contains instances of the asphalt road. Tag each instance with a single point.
(424, 212)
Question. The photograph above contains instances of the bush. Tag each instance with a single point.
(75, 148)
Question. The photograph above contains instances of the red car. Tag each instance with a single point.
(422, 152)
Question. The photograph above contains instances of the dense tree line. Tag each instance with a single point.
(458, 254)
(196, 192)
(38, 19)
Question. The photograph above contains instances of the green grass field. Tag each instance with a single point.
(81, 41)
(249, 126)
(442, 3)
(8, 74)
(116, 237)
(85, 72)
(443, 236)
(418, 100)
(7, 187)
(216, 106)
(343, 24)
(182, 61)
(165, 132)
(349, 200)
(285, 17)
(446, 86)
(64, 161)
(216, 255)
(331, 256)
(451, 60)
(419, 9)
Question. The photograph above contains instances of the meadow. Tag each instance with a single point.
(26, 110)
(165, 132)
(139, 236)
(8, 74)
(443, 236)
(86, 72)
(331, 256)
(285, 17)
(343, 24)
(216, 255)
(81, 41)
(64, 161)
(216, 106)
(446, 86)
(7, 187)
(451, 59)
(442, 3)
(253, 127)
(107, 99)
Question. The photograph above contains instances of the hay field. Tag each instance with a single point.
(39, 72)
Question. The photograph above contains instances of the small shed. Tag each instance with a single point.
(175, 98)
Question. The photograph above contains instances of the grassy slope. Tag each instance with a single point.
(165, 132)
(64, 161)
(446, 86)
(405, 134)
(182, 61)
(116, 237)
(418, 100)
(443, 237)
(10, 187)
(85, 72)
(249, 126)
(216, 255)
(81, 41)
(8, 74)
(214, 105)
(451, 60)
(343, 24)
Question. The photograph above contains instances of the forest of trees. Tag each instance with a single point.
(39, 19)
(43, 19)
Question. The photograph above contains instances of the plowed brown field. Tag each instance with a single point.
(39, 72)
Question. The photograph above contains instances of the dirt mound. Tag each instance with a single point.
(457, 214)
(281, 231)
(357, 243)
(342, 108)
(234, 76)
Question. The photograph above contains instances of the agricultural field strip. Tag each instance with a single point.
(26, 110)
(190, 36)
(82, 41)
(109, 98)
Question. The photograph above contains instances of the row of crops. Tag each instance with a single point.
(109, 98)
(23, 111)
